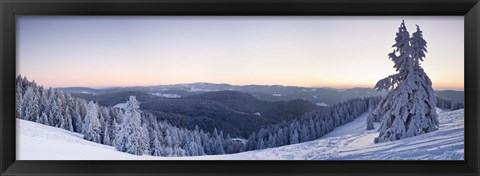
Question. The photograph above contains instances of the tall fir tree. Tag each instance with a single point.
(106, 136)
(130, 137)
(18, 101)
(91, 125)
(409, 107)
(43, 119)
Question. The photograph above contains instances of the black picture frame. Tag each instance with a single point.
(9, 9)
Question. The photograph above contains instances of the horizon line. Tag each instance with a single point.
(269, 85)
(203, 82)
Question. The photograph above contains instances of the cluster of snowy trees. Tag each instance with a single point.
(129, 130)
(449, 104)
(48, 107)
(312, 125)
(409, 107)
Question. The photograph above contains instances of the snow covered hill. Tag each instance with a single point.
(348, 142)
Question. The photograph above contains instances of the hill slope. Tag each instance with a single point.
(348, 142)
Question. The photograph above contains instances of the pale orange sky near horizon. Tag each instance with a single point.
(339, 52)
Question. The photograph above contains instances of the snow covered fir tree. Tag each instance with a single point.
(130, 137)
(91, 128)
(408, 109)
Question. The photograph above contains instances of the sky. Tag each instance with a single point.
(309, 51)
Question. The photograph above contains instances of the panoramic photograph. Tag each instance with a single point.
(240, 88)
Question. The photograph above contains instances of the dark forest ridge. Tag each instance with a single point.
(236, 113)
(318, 96)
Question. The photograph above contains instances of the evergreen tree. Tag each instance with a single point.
(66, 122)
(130, 137)
(370, 120)
(294, 137)
(409, 107)
(91, 125)
(106, 137)
(217, 143)
(155, 146)
(43, 119)
(78, 120)
(114, 128)
(27, 107)
(18, 101)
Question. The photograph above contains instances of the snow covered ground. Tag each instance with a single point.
(166, 95)
(348, 142)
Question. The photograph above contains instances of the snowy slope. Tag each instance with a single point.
(348, 142)
(356, 126)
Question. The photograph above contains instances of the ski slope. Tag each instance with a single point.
(349, 142)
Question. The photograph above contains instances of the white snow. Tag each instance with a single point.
(37, 142)
(257, 114)
(85, 92)
(120, 105)
(166, 95)
(321, 104)
(277, 95)
(349, 142)
(356, 126)
(194, 89)
(240, 139)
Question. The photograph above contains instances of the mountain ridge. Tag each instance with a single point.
(272, 93)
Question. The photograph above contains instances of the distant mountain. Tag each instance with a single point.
(244, 102)
(80, 90)
(272, 93)
(111, 99)
(224, 96)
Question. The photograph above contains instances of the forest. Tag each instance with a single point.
(142, 132)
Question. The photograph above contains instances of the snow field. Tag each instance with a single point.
(348, 142)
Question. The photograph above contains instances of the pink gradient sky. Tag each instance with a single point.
(342, 52)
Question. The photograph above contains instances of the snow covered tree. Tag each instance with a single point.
(370, 120)
(409, 107)
(294, 137)
(43, 119)
(449, 104)
(217, 143)
(252, 142)
(304, 136)
(130, 137)
(155, 145)
(67, 120)
(78, 120)
(106, 136)
(115, 127)
(91, 126)
(18, 102)
(146, 138)
(27, 104)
